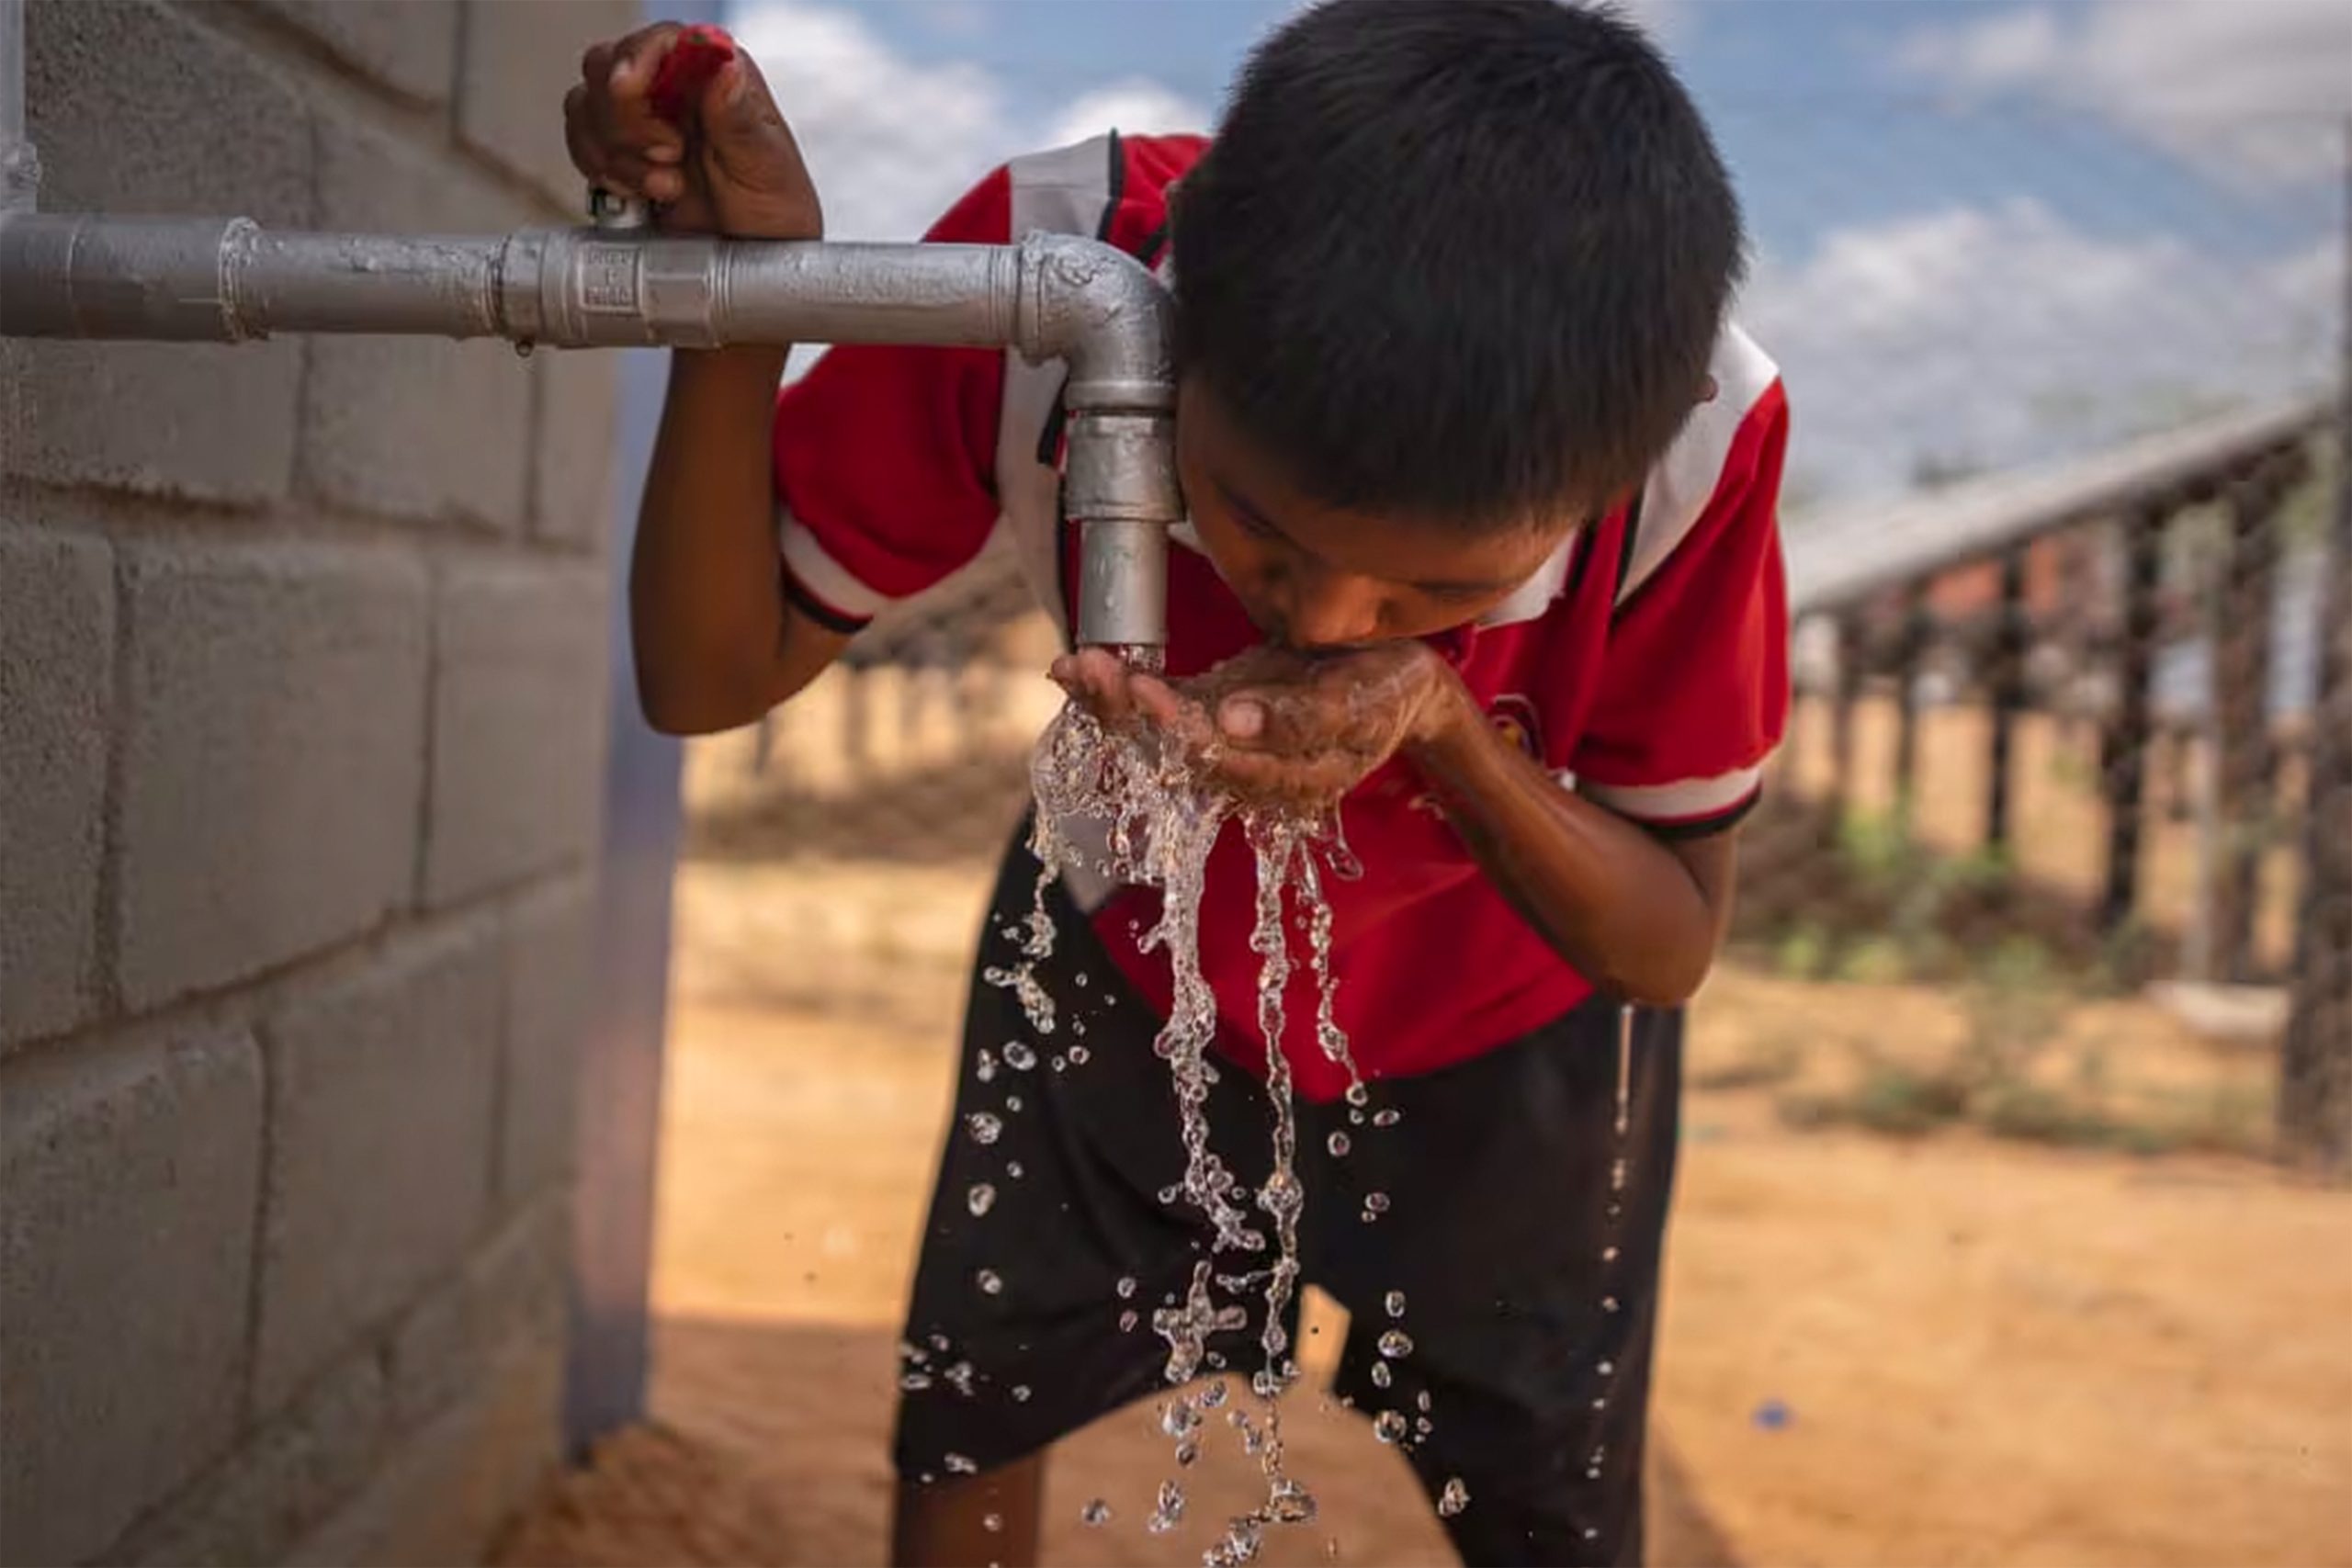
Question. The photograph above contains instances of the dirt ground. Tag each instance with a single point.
(1948, 1350)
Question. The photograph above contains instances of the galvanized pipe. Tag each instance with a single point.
(1050, 296)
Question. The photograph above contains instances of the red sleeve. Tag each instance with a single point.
(1694, 689)
(884, 455)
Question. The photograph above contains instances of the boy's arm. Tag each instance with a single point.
(718, 642)
(1640, 917)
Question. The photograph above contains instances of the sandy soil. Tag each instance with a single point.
(1985, 1353)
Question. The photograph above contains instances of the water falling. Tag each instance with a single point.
(1160, 825)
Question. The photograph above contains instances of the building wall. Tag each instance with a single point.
(302, 679)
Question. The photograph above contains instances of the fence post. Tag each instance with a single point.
(2240, 617)
(1846, 688)
(2124, 761)
(2008, 694)
(1910, 649)
(2315, 1068)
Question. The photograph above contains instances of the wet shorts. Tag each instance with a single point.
(1529, 1274)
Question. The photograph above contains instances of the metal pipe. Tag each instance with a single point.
(1049, 296)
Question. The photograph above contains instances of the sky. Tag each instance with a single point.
(1985, 231)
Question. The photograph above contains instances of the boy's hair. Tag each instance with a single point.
(1463, 261)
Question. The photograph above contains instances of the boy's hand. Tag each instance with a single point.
(726, 164)
(1281, 728)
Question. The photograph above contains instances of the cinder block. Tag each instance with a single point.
(126, 1243)
(549, 951)
(516, 62)
(518, 724)
(579, 412)
(413, 427)
(138, 109)
(410, 46)
(273, 755)
(56, 689)
(449, 1488)
(513, 1286)
(289, 1476)
(380, 1149)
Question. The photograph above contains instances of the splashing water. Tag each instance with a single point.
(1159, 824)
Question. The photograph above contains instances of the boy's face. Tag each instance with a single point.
(1316, 577)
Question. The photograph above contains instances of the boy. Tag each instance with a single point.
(1475, 461)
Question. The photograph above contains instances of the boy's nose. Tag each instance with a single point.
(1329, 610)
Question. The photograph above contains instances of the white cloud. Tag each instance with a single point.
(2256, 86)
(1994, 335)
(1136, 105)
(892, 141)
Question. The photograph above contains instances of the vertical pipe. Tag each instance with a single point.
(2008, 696)
(2125, 762)
(2315, 1069)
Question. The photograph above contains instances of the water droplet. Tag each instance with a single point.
(1127, 1321)
(1188, 1452)
(1395, 1303)
(958, 1465)
(1095, 1515)
(1423, 1427)
(1452, 1499)
(523, 347)
(1013, 1103)
(1422, 1400)
(1381, 1376)
(1012, 1168)
(1396, 1343)
(1376, 1202)
(980, 1198)
(1609, 1304)
(984, 1067)
(992, 1523)
(960, 1374)
(1169, 1512)
(1061, 1063)
(1355, 1118)
(991, 1283)
(1593, 1474)
(1388, 1427)
(1358, 1094)
(984, 1128)
(1387, 1117)
(1608, 1255)
(915, 1383)
(1021, 1393)
(1290, 1503)
(1077, 1056)
(939, 1341)
(1214, 1394)
(1606, 1368)
(1591, 1534)
(1338, 1144)
(1019, 1055)
(1080, 979)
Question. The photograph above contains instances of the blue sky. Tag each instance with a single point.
(1987, 231)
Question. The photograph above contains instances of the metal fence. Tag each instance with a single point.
(2072, 679)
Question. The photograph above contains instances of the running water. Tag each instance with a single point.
(1159, 823)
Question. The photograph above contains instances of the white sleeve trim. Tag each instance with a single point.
(1686, 477)
(1688, 800)
(822, 575)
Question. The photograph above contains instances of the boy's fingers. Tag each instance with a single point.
(630, 66)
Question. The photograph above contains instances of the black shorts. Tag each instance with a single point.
(1530, 1276)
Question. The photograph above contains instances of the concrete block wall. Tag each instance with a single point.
(302, 678)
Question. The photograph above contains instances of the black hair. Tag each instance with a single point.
(1463, 261)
